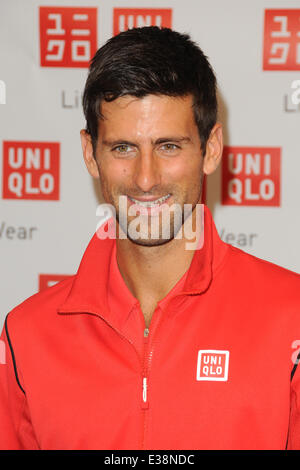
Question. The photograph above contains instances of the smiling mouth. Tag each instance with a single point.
(149, 204)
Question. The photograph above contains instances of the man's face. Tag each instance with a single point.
(149, 151)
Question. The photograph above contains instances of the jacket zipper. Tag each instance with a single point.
(144, 402)
(148, 354)
(145, 384)
(146, 363)
(145, 372)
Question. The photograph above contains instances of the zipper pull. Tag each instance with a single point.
(145, 389)
(145, 403)
(146, 332)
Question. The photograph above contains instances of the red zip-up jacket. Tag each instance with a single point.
(216, 370)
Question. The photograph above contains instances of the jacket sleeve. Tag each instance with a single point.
(294, 425)
(16, 429)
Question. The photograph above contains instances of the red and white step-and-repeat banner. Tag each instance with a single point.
(48, 200)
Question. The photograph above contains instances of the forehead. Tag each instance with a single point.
(150, 115)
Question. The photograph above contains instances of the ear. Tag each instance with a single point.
(214, 149)
(88, 154)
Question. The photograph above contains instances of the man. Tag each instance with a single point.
(154, 344)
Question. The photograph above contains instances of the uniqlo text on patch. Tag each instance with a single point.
(213, 365)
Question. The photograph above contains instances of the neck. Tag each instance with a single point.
(151, 272)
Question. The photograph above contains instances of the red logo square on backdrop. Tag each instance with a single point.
(251, 176)
(31, 170)
(127, 18)
(68, 36)
(282, 40)
(48, 280)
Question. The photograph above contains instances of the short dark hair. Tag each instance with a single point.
(151, 60)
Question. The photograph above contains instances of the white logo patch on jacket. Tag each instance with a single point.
(212, 364)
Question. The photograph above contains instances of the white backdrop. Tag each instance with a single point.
(48, 200)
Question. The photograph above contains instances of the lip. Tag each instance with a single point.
(148, 198)
(148, 210)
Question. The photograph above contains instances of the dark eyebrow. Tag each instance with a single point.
(113, 143)
(161, 140)
(172, 139)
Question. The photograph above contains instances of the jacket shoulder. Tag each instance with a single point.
(40, 305)
(256, 269)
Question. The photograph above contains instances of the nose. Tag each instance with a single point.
(147, 174)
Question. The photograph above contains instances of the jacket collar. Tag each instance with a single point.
(90, 285)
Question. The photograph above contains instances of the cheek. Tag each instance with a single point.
(186, 178)
(115, 176)
(187, 172)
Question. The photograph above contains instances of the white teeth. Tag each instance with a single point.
(154, 203)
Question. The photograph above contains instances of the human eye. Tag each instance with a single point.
(123, 149)
(170, 148)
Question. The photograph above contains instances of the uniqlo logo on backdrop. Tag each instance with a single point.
(282, 40)
(48, 280)
(251, 176)
(212, 364)
(68, 36)
(127, 18)
(31, 170)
